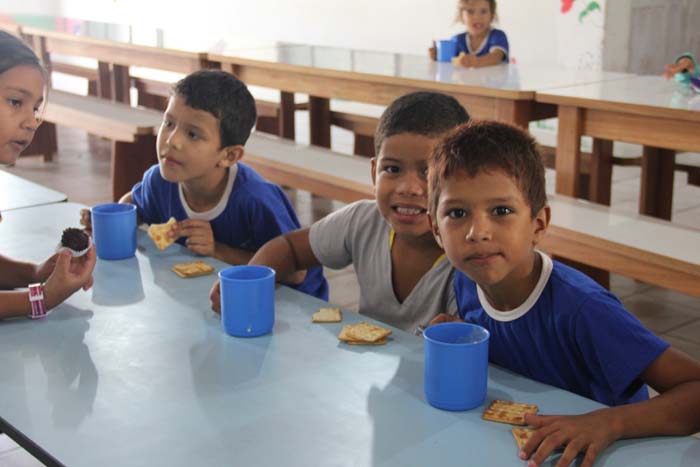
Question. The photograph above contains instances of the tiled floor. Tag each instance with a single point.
(81, 170)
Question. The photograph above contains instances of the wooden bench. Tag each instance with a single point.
(132, 131)
(640, 247)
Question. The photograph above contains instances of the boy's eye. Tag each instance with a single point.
(456, 213)
(167, 123)
(193, 135)
(392, 169)
(502, 211)
(14, 102)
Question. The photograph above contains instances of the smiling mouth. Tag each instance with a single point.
(409, 211)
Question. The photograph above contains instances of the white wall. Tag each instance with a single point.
(537, 31)
(45, 7)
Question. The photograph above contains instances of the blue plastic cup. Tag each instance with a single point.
(114, 230)
(247, 300)
(456, 365)
(446, 50)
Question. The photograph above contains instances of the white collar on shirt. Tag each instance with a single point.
(516, 313)
(481, 47)
(214, 212)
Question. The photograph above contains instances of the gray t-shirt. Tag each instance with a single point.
(359, 235)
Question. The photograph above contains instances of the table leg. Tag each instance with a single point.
(600, 181)
(320, 121)
(656, 193)
(104, 80)
(568, 160)
(121, 84)
(286, 117)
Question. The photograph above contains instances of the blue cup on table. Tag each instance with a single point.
(456, 365)
(247, 300)
(114, 230)
(446, 50)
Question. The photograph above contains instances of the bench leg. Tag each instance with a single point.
(568, 159)
(656, 194)
(152, 101)
(600, 181)
(267, 125)
(121, 84)
(320, 121)
(92, 87)
(694, 177)
(286, 123)
(364, 145)
(130, 161)
(44, 142)
(104, 80)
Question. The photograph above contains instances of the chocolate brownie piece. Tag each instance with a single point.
(75, 239)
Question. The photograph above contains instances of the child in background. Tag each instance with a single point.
(404, 278)
(22, 89)
(223, 207)
(547, 321)
(481, 45)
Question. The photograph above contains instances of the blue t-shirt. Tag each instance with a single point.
(256, 211)
(496, 40)
(570, 333)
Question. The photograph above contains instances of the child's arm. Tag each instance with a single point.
(200, 239)
(67, 277)
(86, 219)
(675, 412)
(490, 59)
(16, 273)
(290, 255)
(432, 52)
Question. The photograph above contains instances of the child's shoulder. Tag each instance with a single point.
(251, 186)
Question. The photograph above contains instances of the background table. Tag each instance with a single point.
(138, 372)
(17, 192)
(659, 114)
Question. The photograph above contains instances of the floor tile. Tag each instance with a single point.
(689, 332)
(683, 345)
(658, 317)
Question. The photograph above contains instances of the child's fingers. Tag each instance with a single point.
(215, 297)
(572, 449)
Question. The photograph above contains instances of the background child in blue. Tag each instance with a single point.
(223, 207)
(547, 321)
(22, 90)
(481, 45)
(404, 278)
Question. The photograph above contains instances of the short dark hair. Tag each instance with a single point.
(487, 146)
(14, 52)
(225, 97)
(422, 113)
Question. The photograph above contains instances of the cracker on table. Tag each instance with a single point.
(508, 412)
(159, 234)
(192, 269)
(522, 435)
(379, 342)
(363, 332)
(327, 315)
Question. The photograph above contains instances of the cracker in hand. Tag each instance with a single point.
(508, 412)
(159, 234)
(327, 315)
(192, 269)
(522, 435)
(456, 61)
(363, 333)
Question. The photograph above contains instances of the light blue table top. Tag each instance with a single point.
(138, 372)
(17, 192)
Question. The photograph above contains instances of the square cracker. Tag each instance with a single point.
(159, 234)
(508, 412)
(192, 269)
(327, 315)
(522, 435)
(379, 342)
(363, 332)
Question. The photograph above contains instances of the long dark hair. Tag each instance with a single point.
(14, 52)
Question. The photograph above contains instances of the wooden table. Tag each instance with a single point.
(503, 92)
(138, 372)
(661, 115)
(17, 192)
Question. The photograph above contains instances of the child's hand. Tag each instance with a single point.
(215, 297)
(86, 220)
(432, 52)
(444, 318)
(467, 60)
(200, 237)
(590, 433)
(684, 63)
(69, 275)
(44, 270)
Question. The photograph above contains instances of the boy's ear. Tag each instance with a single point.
(230, 155)
(541, 223)
(373, 166)
(434, 229)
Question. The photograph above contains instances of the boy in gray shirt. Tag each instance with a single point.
(405, 280)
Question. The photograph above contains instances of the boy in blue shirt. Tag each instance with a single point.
(547, 321)
(223, 207)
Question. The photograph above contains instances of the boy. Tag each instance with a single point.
(404, 279)
(224, 208)
(547, 321)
